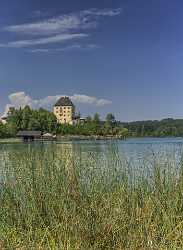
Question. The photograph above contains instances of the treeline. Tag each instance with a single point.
(45, 121)
(94, 126)
(163, 128)
(28, 119)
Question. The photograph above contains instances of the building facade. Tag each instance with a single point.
(64, 110)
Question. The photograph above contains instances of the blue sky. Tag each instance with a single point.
(118, 56)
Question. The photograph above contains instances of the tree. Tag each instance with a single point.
(14, 120)
(26, 117)
(123, 132)
(110, 124)
(29, 119)
(110, 119)
(96, 118)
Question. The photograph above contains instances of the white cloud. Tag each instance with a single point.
(55, 25)
(21, 99)
(41, 41)
(67, 48)
(104, 12)
(64, 23)
(58, 29)
(89, 100)
(39, 50)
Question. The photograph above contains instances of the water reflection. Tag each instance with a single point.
(137, 157)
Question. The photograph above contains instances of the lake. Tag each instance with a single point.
(140, 155)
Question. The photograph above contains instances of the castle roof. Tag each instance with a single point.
(64, 101)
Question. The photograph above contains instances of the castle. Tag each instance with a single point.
(64, 110)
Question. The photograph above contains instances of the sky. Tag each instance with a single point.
(109, 56)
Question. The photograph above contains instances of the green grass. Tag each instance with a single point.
(57, 199)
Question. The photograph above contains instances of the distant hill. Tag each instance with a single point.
(162, 128)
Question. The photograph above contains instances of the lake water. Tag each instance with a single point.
(140, 155)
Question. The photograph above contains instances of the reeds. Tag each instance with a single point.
(60, 198)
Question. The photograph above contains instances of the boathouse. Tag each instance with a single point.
(30, 135)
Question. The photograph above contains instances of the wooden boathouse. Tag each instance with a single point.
(28, 136)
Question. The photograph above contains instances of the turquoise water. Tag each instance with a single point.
(140, 155)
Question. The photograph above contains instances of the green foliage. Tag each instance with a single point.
(163, 128)
(5, 132)
(28, 119)
(110, 119)
(93, 126)
(96, 118)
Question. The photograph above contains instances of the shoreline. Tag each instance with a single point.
(89, 137)
(66, 138)
(85, 137)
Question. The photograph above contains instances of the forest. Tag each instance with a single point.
(154, 128)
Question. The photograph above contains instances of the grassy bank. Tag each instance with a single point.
(59, 199)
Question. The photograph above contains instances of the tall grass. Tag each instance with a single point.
(57, 198)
